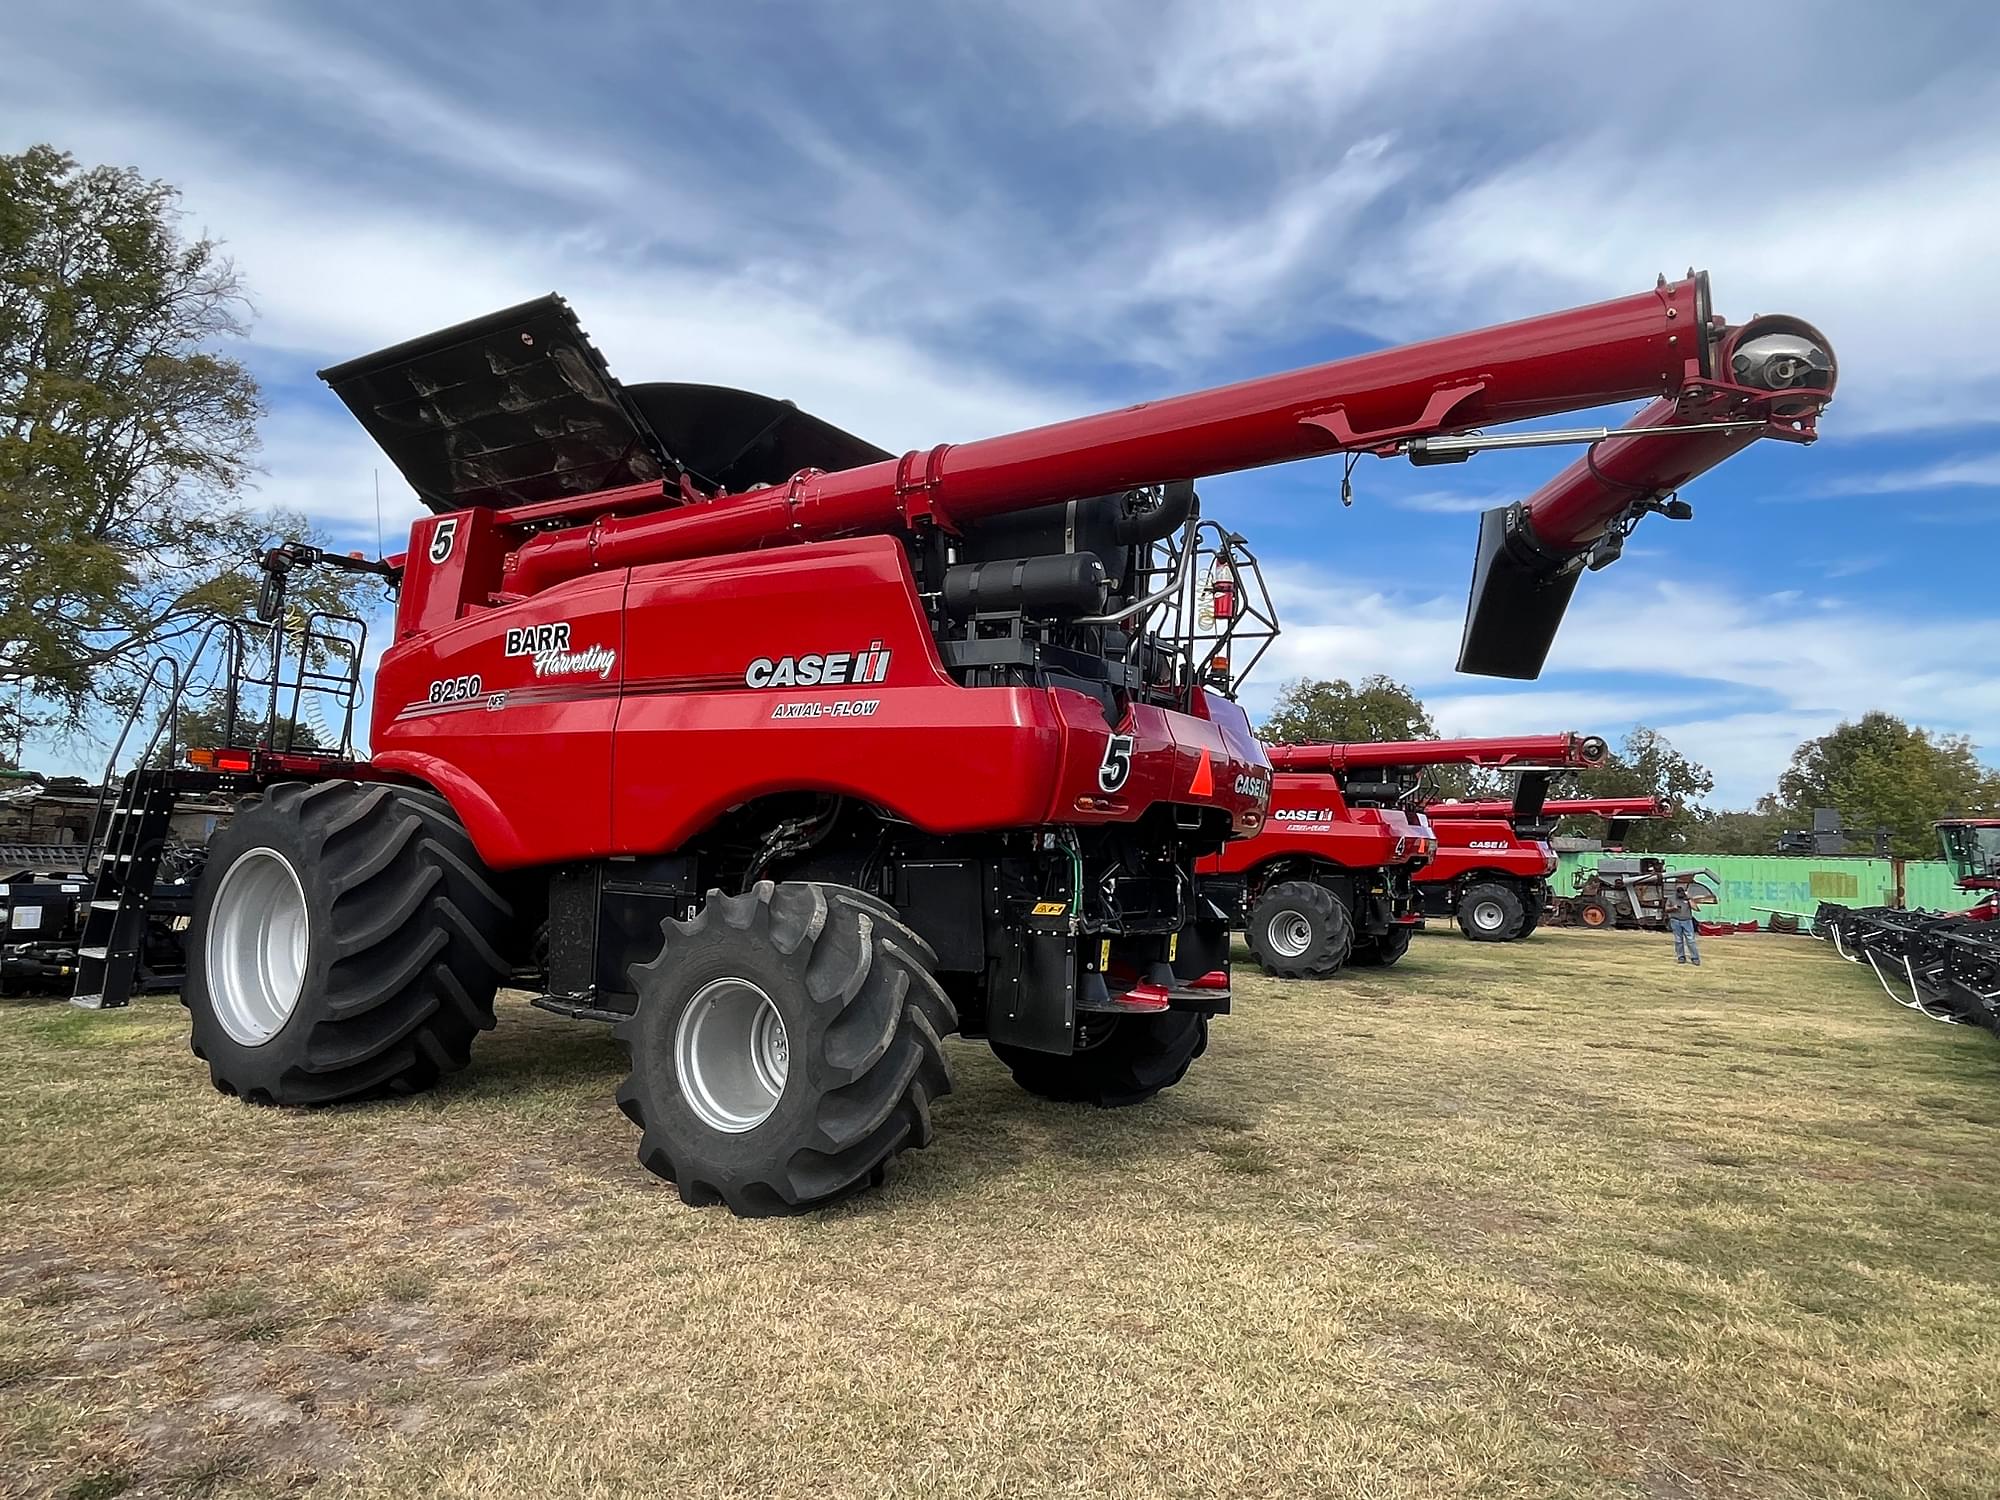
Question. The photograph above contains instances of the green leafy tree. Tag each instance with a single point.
(126, 439)
(1647, 765)
(1750, 831)
(1880, 772)
(1375, 709)
(1378, 708)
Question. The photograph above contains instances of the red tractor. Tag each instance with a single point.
(789, 756)
(1972, 849)
(1326, 883)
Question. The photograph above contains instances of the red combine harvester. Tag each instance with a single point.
(1326, 883)
(1972, 849)
(799, 755)
(1618, 813)
(1495, 885)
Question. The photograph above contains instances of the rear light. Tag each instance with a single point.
(222, 760)
(1214, 979)
(1223, 592)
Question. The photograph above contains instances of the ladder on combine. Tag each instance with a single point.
(125, 898)
(129, 901)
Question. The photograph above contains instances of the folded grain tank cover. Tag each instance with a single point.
(518, 407)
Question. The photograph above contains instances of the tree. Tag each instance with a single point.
(1379, 709)
(1753, 831)
(1648, 765)
(1880, 772)
(126, 439)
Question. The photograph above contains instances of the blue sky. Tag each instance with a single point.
(936, 229)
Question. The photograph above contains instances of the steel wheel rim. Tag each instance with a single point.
(1289, 934)
(733, 1054)
(1487, 916)
(258, 937)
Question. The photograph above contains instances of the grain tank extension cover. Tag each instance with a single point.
(518, 407)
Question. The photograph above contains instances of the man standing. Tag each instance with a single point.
(1680, 917)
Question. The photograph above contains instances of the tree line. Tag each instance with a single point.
(1877, 771)
(128, 444)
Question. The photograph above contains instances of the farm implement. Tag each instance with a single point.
(1944, 965)
(788, 756)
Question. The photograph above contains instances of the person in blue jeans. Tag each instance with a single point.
(1680, 917)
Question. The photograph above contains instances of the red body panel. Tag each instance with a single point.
(1310, 819)
(1552, 807)
(1484, 845)
(653, 717)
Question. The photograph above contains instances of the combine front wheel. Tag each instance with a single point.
(346, 941)
(785, 1049)
(1490, 913)
(1118, 1060)
(1300, 930)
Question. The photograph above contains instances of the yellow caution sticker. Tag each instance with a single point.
(1173, 947)
(1049, 908)
(1104, 955)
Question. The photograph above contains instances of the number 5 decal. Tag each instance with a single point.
(1117, 762)
(441, 539)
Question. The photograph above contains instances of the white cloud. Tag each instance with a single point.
(1947, 474)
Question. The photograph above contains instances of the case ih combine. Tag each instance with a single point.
(1328, 881)
(803, 755)
(1618, 813)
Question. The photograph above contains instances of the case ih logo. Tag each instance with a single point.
(828, 669)
(1303, 815)
(549, 646)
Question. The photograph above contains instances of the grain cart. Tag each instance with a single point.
(800, 755)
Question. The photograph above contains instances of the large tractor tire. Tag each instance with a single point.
(1300, 930)
(1382, 952)
(346, 941)
(1532, 918)
(1119, 1060)
(1491, 913)
(786, 1047)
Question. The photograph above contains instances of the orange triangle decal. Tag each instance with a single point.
(1203, 784)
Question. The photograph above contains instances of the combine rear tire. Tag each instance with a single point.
(1491, 913)
(785, 1049)
(1119, 1060)
(1380, 953)
(1532, 919)
(1300, 930)
(346, 941)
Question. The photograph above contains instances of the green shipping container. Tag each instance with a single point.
(1750, 885)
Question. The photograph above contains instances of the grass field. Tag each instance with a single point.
(1544, 1219)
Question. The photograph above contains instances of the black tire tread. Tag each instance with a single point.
(866, 974)
(1322, 961)
(1491, 890)
(411, 936)
(1143, 1056)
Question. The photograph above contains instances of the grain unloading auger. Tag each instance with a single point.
(791, 756)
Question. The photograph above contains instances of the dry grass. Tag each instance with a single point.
(1549, 1219)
